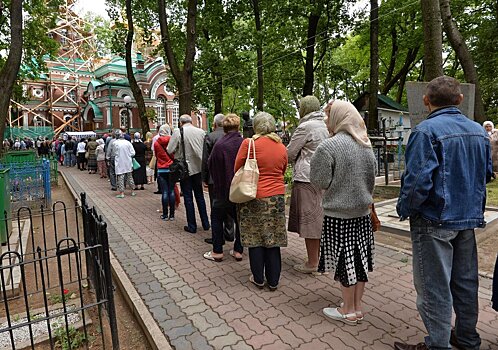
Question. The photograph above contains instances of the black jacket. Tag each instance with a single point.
(209, 142)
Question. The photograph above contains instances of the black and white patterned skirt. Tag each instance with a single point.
(347, 249)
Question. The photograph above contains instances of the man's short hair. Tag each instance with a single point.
(218, 119)
(185, 118)
(245, 115)
(231, 123)
(444, 91)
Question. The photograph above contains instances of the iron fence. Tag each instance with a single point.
(55, 280)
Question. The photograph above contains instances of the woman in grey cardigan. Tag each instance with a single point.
(344, 166)
(306, 214)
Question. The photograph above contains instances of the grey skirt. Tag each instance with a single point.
(306, 213)
(262, 222)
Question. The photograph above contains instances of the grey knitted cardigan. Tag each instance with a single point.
(346, 171)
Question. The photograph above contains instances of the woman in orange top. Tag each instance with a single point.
(262, 220)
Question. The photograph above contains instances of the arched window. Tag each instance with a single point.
(160, 111)
(175, 113)
(124, 118)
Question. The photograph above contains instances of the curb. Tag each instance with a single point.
(156, 338)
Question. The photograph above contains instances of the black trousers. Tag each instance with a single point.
(265, 262)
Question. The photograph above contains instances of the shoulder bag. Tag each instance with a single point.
(178, 170)
(136, 165)
(374, 218)
(244, 186)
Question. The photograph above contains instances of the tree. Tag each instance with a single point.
(135, 88)
(259, 52)
(8, 74)
(373, 113)
(433, 41)
(183, 76)
(464, 57)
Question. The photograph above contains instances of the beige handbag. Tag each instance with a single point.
(152, 163)
(244, 184)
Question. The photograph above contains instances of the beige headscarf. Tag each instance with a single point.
(264, 126)
(343, 117)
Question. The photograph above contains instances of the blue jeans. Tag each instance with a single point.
(194, 183)
(445, 275)
(112, 172)
(168, 194)
(69, 158)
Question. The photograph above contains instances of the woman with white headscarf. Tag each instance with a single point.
(139, 175)
(262, 220)
(344, 167)
(167, 185)
(124, 153)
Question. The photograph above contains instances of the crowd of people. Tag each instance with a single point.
(443, 194)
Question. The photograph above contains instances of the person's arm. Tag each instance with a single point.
(241, 155)
(297, 142)
(206, 151)
(416, 182)
(322, 167)
(174, 142)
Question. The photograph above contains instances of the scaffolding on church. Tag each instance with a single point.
(74, 60)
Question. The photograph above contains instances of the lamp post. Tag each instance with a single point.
(127, 100)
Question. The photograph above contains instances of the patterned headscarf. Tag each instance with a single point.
(264, 126)
(165, 130)
(344, 117)
(136, 137)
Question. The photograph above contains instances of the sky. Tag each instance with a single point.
(95, 6)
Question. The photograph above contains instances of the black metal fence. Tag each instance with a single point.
(55, 280)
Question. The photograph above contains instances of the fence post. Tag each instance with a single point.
(111, 311)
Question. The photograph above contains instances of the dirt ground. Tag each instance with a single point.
(487, 239)
(130, 333)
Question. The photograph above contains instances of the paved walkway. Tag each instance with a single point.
(206, 305)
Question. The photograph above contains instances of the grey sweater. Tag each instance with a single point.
(346, 171)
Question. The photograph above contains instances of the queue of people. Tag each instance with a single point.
(334, 171)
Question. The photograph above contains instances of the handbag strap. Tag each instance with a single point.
(183, 144)
(251, 142)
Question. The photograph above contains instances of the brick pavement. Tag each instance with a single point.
(206, 305)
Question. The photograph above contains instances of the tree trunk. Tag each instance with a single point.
(218, 91)
(373, 113)
(259, 52)
(309, 69)
(183, 77)
(8, 74)
(433, 39)
(135, 89)
(464, 56)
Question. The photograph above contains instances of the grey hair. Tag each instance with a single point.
(263, 123)
(185, 118)
(218, 119)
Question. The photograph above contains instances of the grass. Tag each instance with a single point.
(492, 198)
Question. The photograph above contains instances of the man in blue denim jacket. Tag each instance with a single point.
(443, 192)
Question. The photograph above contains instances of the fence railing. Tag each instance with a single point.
(55, 280)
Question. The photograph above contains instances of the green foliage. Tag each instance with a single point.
(74, 341)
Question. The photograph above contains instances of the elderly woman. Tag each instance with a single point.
(220, 168)
(149, 172)
(164, 160)
(91, 147)
(100, 153)
(139, 175)
(262, 220)
(306, 214)
(123, 163)
(344, 167)
(493, 138)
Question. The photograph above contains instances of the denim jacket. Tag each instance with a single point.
(448, 162)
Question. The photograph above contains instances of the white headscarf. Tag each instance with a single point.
(344, 117)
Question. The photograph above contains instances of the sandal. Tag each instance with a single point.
(209, 256)
(304, 269)
(359, 314)
(236, 255)
(259, 285)
(334, 314)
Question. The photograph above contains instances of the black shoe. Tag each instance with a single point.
(114, 189)
(454, 341)
(157, 192)
(207, 228)
(208, 240)
(185, 228)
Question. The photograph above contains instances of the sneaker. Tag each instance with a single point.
(171, 218)
(164, 217)
(334, 314)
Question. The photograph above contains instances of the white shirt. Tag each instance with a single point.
(123, 152)
(81, 147)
